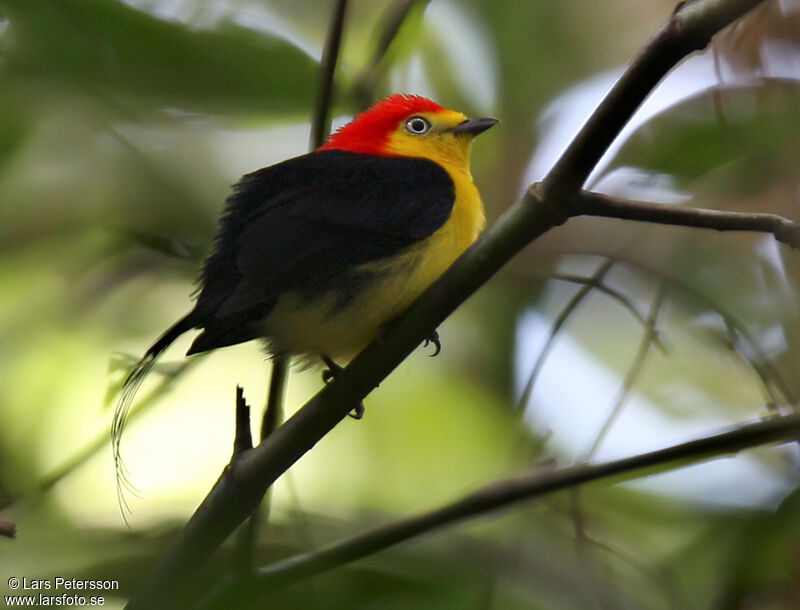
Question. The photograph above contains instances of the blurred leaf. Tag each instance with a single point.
(109, 49)
(15, 124)
(739, 137)
(765, 569)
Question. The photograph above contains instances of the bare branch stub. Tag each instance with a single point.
(243, 440)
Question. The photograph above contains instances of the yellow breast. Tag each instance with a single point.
(323, 326)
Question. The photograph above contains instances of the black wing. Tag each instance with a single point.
(304, 224)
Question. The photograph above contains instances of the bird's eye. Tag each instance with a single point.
(417, 125)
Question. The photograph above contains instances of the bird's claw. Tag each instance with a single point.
(330, 374)
(332, 371)
(437, 344)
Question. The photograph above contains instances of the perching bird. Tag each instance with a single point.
(315, 253)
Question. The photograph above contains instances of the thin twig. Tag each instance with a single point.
(595, 204)
(273, 414)
(607, 290)
(555, 328)
(763, 369)
(632, 375)
(391, 23)
(650, 334)
(766, 372)
(656, 574)
(321, 124)
(773, 429)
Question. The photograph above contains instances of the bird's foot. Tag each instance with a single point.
(437, 344)
(330, 374)
(357, 412)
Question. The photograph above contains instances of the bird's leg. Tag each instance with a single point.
(330, 374)
(437, 344)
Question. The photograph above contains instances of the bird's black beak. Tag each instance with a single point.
(475, 126)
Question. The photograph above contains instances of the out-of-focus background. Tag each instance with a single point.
(123, 125)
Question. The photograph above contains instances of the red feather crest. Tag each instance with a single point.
(369, 131)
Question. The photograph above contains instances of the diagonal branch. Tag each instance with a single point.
(243, 483)
(587, 203)
(501, 494)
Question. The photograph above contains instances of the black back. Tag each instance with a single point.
(303, 225)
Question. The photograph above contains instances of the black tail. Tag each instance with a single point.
(125, 401)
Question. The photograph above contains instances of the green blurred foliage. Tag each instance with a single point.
(122, 125)
(113, 51)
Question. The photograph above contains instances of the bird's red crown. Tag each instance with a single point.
(369, 131)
